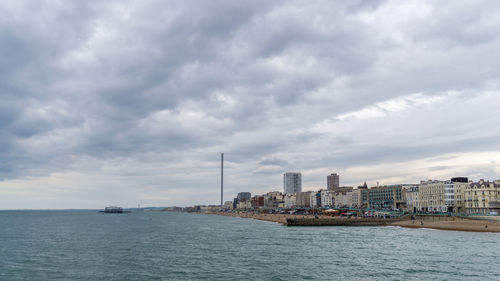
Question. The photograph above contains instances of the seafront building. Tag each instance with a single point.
(457, 195)
(228, 205)
(333, 182)
(292, 183)
(244, 196)
(356, 196)
(315, 199)
(343, 200)
(303, 199)
(482, 197)
(290, 201)
(244, 205)
(412, 203)
(326, 198)
(274, 199)
(257, 201)
(383, 197)
(442, 196)
(431, 196)
(459, 186)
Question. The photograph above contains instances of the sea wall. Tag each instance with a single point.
(338, 222)
(435, 217)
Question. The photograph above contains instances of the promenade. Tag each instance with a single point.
(279, 218)
(456, 224)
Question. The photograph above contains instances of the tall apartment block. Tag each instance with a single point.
(333, 182)
(292, 183)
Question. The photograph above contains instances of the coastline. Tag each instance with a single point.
(278, 218)
(458, 225)
(451, 225)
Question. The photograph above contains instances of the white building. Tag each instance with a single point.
(244, 205)
(343, 200)
(356, 198)
(292, 183)
(442, 196)
(326, 198)
(449, 195)
(228, 205)
(274, 199)
(290, 201)
(412, 203)
(313, 200)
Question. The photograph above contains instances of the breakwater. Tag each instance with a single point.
(338, 222)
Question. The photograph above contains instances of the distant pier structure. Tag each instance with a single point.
(114, 210)
(222, 180)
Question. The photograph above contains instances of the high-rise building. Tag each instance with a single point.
(333, 182)
(292, 183)
(244, 196)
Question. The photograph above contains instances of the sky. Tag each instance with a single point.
(131, 102)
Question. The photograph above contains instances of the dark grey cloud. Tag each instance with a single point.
(144, 95)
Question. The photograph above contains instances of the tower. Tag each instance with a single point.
(222, 180)
(333, 182)
(292, 183)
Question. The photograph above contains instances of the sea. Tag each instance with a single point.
(88, 245)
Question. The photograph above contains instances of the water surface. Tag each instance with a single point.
(87, 245)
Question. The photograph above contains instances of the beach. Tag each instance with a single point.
(279, 218)
(455, 224)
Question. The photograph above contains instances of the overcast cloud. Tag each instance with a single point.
(132, 102)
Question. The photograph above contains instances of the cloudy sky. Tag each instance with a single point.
(132, 102)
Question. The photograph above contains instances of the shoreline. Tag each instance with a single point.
(465, 225)
(278, 218)
(459, 225)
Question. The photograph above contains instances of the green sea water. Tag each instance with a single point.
(87, 245)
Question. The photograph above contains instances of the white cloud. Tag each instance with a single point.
(396, 105)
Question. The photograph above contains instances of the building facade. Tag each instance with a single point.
(257, 201)
(313, 200)
(244, 205)
(412, 203)
(343, 200)
(442, 196)
(482, 197)
(459, 186)
(290, 201)
(431, 196)
(384, 197)
(303, 199)
(326, 198)
(356, 198)
(333, 182)
(292, 183)
(228, 205)
(274, 199)
(244, 196)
